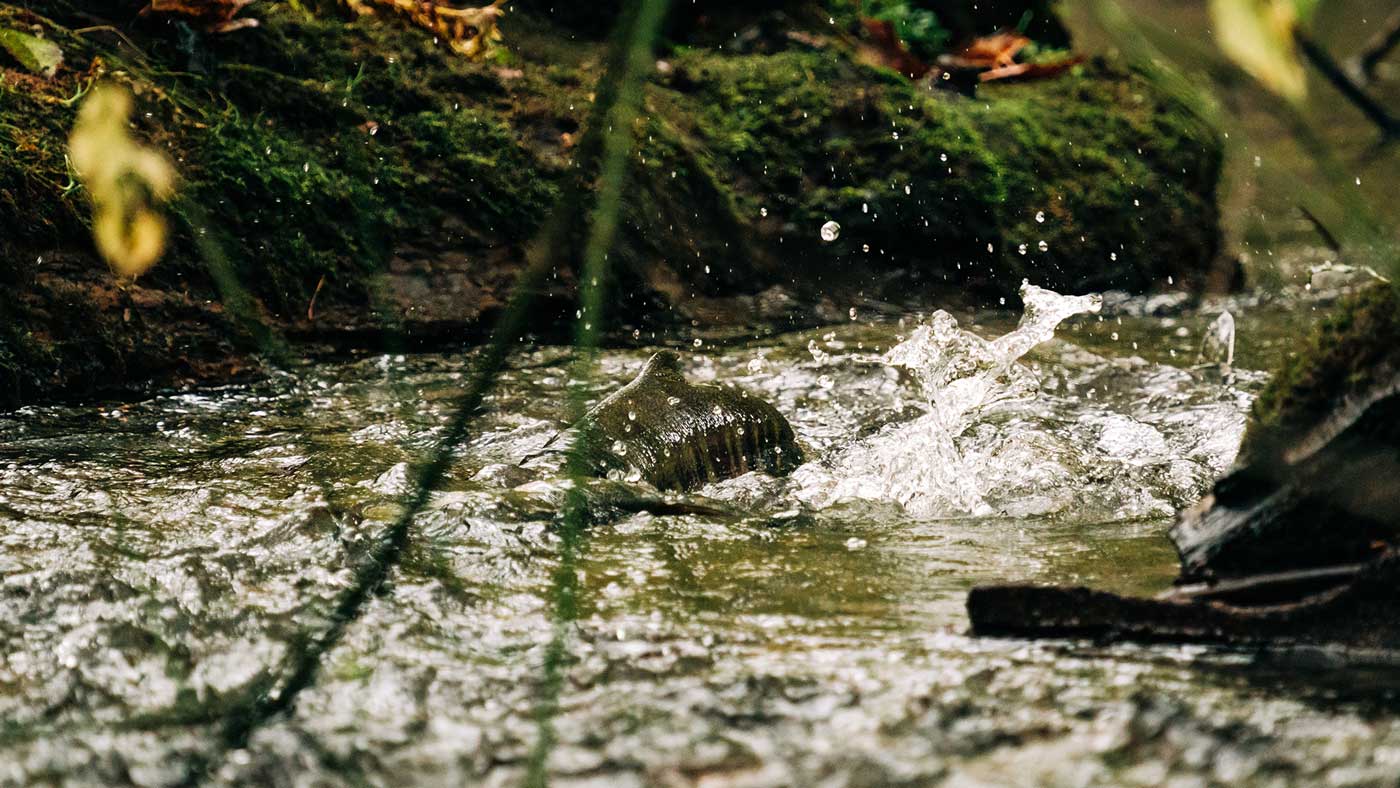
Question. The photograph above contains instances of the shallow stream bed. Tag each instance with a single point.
(161, 562)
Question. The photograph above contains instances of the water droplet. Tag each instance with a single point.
(1040, 217)
(831, 231)
(762, 211)
(942, 157)
(1021, 248)
(673, 401)
(698, 342)
(852, 313)
(619, 448)
(1043, 246)
(631, 415)
(1113, 255)
(865, 247)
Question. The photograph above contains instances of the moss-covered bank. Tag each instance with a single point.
(1352, 351)
(355, 162)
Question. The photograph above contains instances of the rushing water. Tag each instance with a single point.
(161, 560)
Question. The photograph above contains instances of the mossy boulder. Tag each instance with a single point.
(1096, 180)
(677, 435)
(349, 173)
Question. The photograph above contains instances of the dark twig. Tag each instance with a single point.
(1327, 236)
(1363, 66)
(1334, 74)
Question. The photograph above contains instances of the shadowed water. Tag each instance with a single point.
(159, 561)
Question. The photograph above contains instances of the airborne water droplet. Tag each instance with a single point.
(830, 231)
(1040, 217)
(1043, 246)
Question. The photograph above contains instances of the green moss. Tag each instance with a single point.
(318, 144)
(1121, 176)
(1348, 352)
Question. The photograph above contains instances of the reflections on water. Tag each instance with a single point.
(159, 560)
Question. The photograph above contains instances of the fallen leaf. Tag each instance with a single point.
(211, 16)
(994, 57)
(1031, 70)
(471, 32)
(38, 55)
(994, 51)
(887, 50)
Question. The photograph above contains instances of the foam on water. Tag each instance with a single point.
(996, 438)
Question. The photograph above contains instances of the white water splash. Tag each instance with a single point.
(1218, 345)
(961, 376)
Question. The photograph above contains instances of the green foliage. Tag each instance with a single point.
(38, 55)
(917, 26)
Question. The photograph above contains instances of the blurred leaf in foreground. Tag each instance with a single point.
(472, 32)
(39, 55)
(124, 179)
(1258, 35)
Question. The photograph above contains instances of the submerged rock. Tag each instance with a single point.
(680, 436)
(1301, 543)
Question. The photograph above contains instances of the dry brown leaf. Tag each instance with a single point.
(472, 32)
(995, 51)
(887, 50)
(994, 57)
(211, 16)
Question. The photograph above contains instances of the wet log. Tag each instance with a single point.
(1356, 606)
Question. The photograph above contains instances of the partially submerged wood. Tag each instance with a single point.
(681, 436)
(1332, 497)
(1360, 611)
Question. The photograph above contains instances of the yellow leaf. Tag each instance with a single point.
(1258, 35)
(124, 180)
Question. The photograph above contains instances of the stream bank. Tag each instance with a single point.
(357, 177)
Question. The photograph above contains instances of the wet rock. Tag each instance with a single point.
(1299, 543)
(680, 436)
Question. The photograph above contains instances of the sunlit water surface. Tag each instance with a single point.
(159, 560)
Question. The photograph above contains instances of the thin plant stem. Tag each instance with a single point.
(593, 281)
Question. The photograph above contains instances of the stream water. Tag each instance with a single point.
(161, 560)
